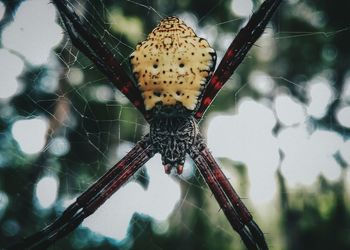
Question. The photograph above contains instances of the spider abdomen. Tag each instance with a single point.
(172, 65)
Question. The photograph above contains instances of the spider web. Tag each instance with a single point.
(277, 130)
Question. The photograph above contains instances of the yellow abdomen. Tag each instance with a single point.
(172, 65)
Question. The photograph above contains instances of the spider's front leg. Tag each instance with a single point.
(236, 52)
(234, 209)
(99, 54)
(88, 202)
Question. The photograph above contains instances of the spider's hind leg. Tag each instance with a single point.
(257, 233)
(89, 201)
(235, 211)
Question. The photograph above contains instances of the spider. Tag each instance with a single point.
(174, 84)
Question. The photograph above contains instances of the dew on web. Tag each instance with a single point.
(279, 128)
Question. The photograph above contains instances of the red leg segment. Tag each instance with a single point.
(234, 209)
(237, 51)
(88, 202)
(99, 55)
(242, 211)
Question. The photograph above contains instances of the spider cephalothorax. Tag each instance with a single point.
(175, 85)
(172, 137)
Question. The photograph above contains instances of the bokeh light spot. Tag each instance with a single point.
(11, 68)
(288, 110)
(345, 95)
(261, 82)
(75, 76)
(320, 95)
(30, 134)
(102, 93)
(10, 228)
(307, 156)
(46, 191)
(4, 201)
(242, 8)
(345, 151)
(2, 10)
(25, 33)
(59, 146)
(343, 116)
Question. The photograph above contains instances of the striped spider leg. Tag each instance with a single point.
(89, 201)
(234, 209)
(236, 52)
(95, 50)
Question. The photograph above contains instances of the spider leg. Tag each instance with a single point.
(224, 202)
(96, 51)
(88, 202)
(236, 212)
(236, 52)
(239, 206)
